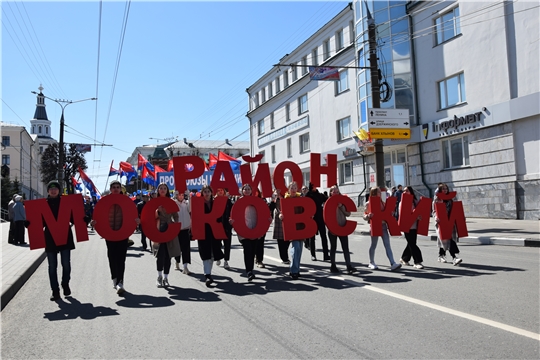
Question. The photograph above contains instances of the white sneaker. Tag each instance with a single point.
(419, 266)
(159, 282)
(442, 259)
(395, 266)
(177, 267)
(457, 261)
(403, 262)
(186, 271)
(120, 288)
(218, 262)
(226, 265)
(373, 266)
(165, 282)
(114, 283)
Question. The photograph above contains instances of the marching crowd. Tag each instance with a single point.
(215, 251)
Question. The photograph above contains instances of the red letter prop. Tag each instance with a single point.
(238, 214)
(262, 177)
(330, 219)
(379, 216)
(298, 226)
(229, 182)
(279, 179)
(149, 221)
(180, 173)
(199, 219)
(447, 223)
(39, 212)
(129, 214)
(330, 169)
(408, 217)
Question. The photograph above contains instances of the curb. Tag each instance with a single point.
(480, 240)
(9, 293)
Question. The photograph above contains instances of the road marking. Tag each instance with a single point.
(440, 308)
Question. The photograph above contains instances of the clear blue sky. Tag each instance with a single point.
(183, 70)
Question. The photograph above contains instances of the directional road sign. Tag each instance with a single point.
(388, 119)
(390, 133)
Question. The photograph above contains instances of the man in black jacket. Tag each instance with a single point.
(319, 200)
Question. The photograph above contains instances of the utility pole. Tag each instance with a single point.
(375, 97)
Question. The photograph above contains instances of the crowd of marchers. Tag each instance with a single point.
(215, 251)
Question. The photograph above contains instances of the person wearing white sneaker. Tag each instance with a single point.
(184, 236)
(411, 236)
(450, 244)
(165, 251)
(375, 191)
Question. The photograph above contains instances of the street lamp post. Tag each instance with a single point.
(63, 104)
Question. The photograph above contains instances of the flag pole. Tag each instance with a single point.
(106, 182)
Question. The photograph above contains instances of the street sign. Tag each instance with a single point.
(390, 133)
(388, 119)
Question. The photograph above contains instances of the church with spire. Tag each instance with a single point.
(40, 126)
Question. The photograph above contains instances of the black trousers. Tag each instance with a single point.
(344, 246)
(412, 249)
(259, 249)
(249, 253)
(185, 247)
(143, 237)
(11, 234)
(453, 249)
(163, 259)
(283, 247)
(116, 252)
(324, 240)
(18, 232)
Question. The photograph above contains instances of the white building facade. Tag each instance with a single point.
(474, 101)
(292, 116)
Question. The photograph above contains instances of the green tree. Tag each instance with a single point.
(6, 192)
(73, 160)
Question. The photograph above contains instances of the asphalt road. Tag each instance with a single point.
(486, 308)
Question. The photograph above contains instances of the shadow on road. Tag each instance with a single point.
(189, 294)
(73, 309)
(143, 301)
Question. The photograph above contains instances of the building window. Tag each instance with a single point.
(304, 65)
(260, 126)
(315, 57)
(343, 83)
(294, 73)
(41, 149)
(302, 104)
(306, 177)
(5, 140)
(452, 91)
(289, 147)
(5, 159)
(346, 173)
(263, 95)
(270, 90)
(33, 129)
(447, 26)
(339, 40)
(344, 129)
(326, 49)
(273, 153)
(271, 120)
(285, 79)
(278, 85)
(46, 130)
(351, 32)
(288, 112)
(39, 129)
(304, 143)
(455, 152)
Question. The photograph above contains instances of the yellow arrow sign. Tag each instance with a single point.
(390, 133)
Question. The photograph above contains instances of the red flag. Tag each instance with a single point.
(170, 165)
(224, 157)
(159, 169)
(212, 160)
(141, 160)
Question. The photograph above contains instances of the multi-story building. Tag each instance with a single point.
(469, 74)
(20, 154)
(292, 116)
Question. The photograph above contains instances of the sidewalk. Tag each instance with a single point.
(19, 262)
(481, 231)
